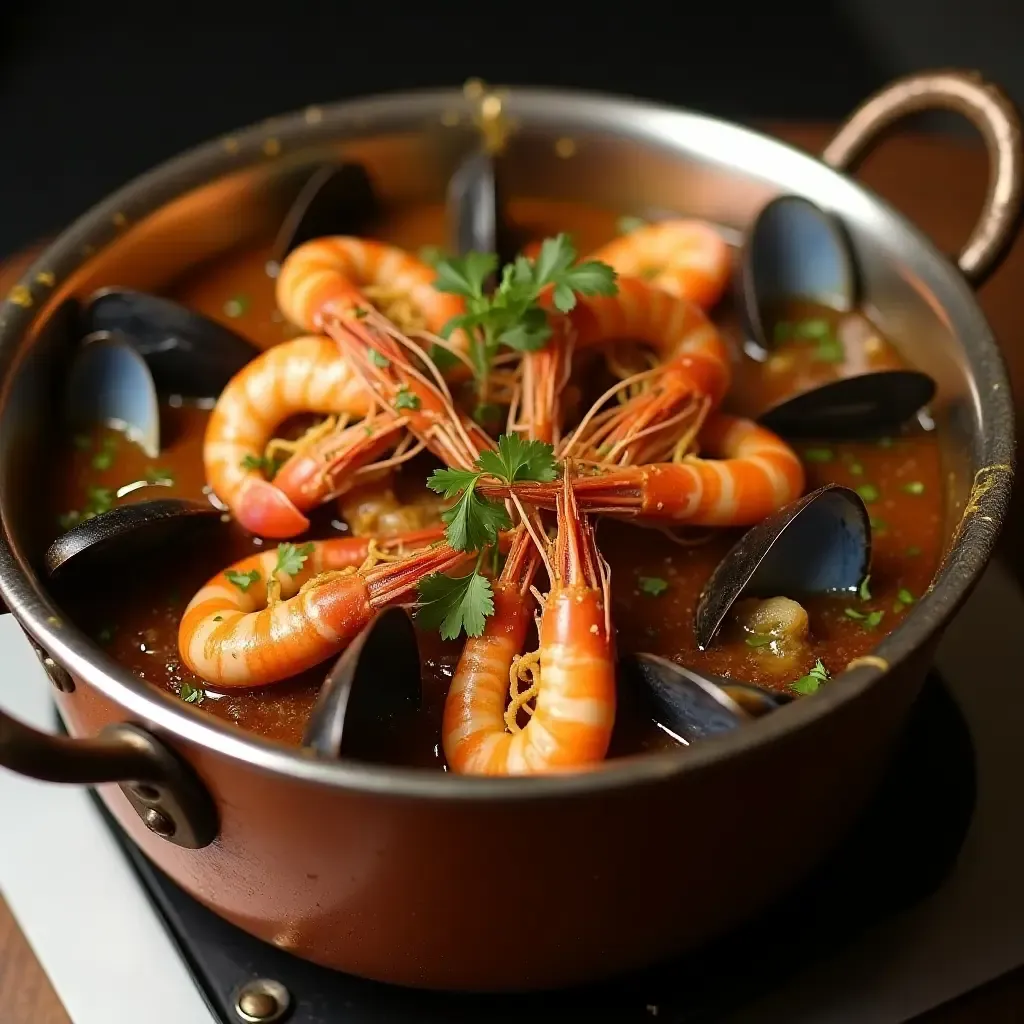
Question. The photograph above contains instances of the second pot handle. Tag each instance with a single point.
(990, 110)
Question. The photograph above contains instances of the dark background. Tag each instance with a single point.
(92, 93)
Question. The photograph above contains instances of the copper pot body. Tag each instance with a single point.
(468, 884)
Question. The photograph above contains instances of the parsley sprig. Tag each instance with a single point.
(512, 314)
(456, 603)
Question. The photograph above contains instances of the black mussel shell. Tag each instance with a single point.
(818, 544)
(337, 199)
(794, 250)
(373, 688)
(694, 706)
(476, 212)
(868, 405)
(124, 533)
(187, 353)
(110, 384)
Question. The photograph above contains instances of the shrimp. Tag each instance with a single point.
(686, 258)
(307, 374)
(753, 475)
(336, 275)
(572, 675)
(252, 625)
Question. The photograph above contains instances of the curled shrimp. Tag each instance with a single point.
(572, 675)
(336, 275)
(754, 473)
(251, 625)
(686, 258)
(306, 375)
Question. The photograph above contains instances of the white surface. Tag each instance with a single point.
(72, 890)
(95, 932)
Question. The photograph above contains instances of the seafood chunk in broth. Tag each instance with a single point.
(550, 472)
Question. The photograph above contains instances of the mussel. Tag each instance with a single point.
(109, 384)
(337, 199)
(123, 533)
(794, 250)
(693, 706)
(820, 543)
(372, 689)
(867, 405)
(187, 353)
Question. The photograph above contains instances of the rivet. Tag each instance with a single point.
(158, 823)
(144, 792)
(262, 1001)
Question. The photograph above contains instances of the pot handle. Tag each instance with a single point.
(990, 110)
(162, 787)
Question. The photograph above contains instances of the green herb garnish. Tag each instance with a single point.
(812, 681)
(379, 360)
(261, 464)
(652, 585)
(291, 558)
(873, 619)
(853, 614)
(760, 640)
(512, 315)
(856, 468)
(242, 580)
(159, 474)
(405, 399)
(913, 487)
(864, 591)
(518, 459)
(868, 492)
(813, 329)
(829, 350)
(236, 306)
(104, 458)
(190, 695)
(878, 525)
(455, 603)
(819, 455)
(431, 255)
(627, 225)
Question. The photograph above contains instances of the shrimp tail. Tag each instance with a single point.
(265, 510)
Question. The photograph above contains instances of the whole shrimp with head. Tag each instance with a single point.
(309, 375)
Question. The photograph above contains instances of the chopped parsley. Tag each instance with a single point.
(379, 360)
(827, 346)
(864, 591)
(291, 558)
(242, 580)
(818, 455)
(856, 468)
(104, 458)
(869, 620)
(236, 306)
(190, 695)
(760, 640)
(904, 599)
(853, 613)
(405, 399)
(868, 493)
(914, 487)
(652, 585)
(811, 682)
(261, 464)
(512, 314)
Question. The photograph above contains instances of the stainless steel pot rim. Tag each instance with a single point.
(970, 552)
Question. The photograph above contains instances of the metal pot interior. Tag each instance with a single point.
(626, 157)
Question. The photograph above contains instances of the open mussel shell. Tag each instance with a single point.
(794, 250)
(818, 544)
(337, 199)
(692, 705)
(868, 405)
(110, 384)
(187, 353)
(372, 689)
(124, 533)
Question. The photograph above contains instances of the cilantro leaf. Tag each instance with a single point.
(519, 459)
(242, 580)
(453, 604)
(812, 681)
(190, 695)
(474, 522)
(378, 359)
(531, 332)
(450, 481)
(291, 559)
(465, 275)
(405, 399)
(652, 585)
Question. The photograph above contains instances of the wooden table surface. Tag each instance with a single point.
(939, 184)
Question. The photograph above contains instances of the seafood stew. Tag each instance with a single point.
(586, 453)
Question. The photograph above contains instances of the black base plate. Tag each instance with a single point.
(898, 854)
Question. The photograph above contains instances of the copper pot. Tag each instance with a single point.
(410, 877)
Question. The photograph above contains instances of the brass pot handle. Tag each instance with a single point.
(990, 110)
(162, 787)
